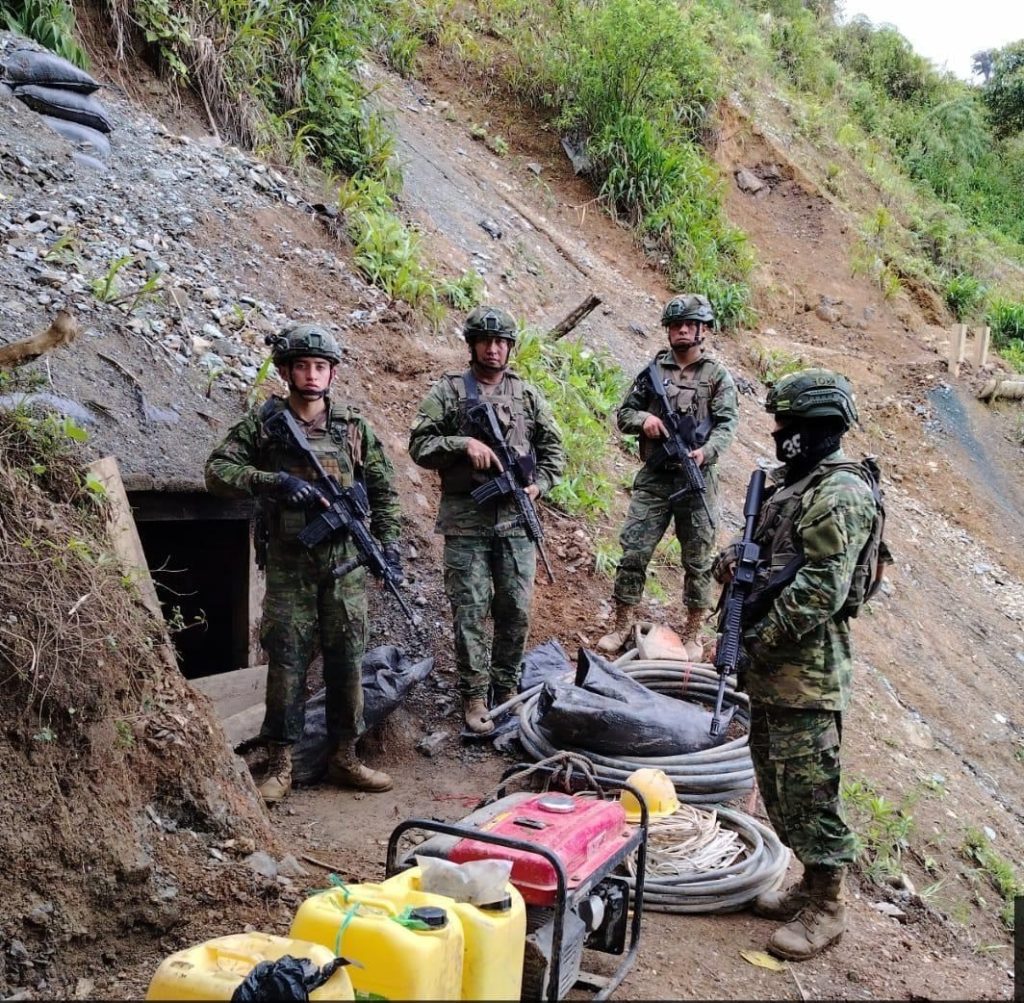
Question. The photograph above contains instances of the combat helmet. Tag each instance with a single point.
(304, 340)
(489, 322)
(813, 393)
(689, 307)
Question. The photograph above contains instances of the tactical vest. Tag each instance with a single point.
(508, 401)
(776, 532)
(686, 394)
(339, 452)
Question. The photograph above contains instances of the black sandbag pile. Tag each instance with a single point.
(387, 676)
(608, 712)
(64, 95)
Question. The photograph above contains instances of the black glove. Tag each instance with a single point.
(294, 491)
(393, 556)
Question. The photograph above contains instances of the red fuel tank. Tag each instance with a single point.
(584, 832)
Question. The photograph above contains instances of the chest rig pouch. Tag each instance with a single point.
(338, 447)
(687, 396)
(507, 400)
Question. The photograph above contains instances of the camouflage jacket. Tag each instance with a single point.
(438, 441)
(705, 390)
(800, 649)
(247, 461)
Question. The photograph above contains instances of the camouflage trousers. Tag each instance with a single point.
(796, 761)
(305, 603)
(649, 515)
(489, 576)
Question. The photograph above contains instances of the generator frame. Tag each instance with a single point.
(603, 985)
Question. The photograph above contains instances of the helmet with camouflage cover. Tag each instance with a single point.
(298, 341)
(813, 393)
(689, 307)
(489, 322)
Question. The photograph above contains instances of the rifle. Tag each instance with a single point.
(728, 651)
(348, 511)
(684, 434)
(517, 472)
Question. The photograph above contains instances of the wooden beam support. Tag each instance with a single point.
(571, 319)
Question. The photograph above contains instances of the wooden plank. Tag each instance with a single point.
(571, 319)
(982, 336)
(245, 724)
(124, 538)
(232, 692)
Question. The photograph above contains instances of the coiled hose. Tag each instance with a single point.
(711, 776)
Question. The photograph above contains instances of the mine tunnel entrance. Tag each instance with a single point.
(200, 556)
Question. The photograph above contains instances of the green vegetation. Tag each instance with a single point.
(583, 388)
(999, 872)
(882, 827)
(49, 22)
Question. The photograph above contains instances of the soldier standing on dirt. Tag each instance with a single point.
(489, 562)
(817, 519)
(303, 597)
(696, 385)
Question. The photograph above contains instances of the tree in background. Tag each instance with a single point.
(1003, 91)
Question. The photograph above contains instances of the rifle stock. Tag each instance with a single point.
(516, 474)
(727, 653)
(346, 514)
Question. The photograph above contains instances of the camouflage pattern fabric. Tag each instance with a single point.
(438, 442)
(707, 390)
(489, 576)
(648, 517)
(796, 761)
(303, 601)
(800, 653)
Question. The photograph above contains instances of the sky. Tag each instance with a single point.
(948, 33)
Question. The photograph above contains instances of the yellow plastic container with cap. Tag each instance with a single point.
(403, 946)
(214, 969)
(495, 939)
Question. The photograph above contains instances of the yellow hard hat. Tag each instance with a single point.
(657, 790)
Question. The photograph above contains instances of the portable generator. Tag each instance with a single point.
(565, 848)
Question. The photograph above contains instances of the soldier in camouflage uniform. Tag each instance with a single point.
(489, 563)
(303, 599)
(698, 385)
(814, 524)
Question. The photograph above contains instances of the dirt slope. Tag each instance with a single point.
(938, 656)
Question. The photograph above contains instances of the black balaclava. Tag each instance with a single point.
(802, 443)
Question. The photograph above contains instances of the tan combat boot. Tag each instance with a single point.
(690, 634)
(278, 781)
(345, 770)
(503, 696)
(622, 624)
(821, 922)
(475, 712)
(783, 903)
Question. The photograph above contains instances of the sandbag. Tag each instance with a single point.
(89, 140)
(64, 104)
(387, 676)
(92, 163)
(545, 661)
(609, 712)
(5, 91)
(29, 66)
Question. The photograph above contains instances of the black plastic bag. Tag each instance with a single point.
(545, 661)
(287, 978)
(69, 105)
(387, 677)
(608, 712)
(29, 66)
(91, 141)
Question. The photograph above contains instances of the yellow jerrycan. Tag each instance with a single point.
(495, 939)
(401, 950)
(214, 969)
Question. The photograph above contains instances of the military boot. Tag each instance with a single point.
(622, 624)
(345, 770)
(278, 781)
(783, 903)
(821, 922)
(690, 634)
(503, 696)
(475, 712)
